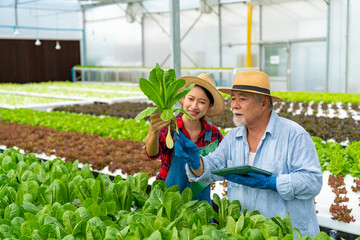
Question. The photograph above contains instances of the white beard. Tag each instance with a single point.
(239, 122)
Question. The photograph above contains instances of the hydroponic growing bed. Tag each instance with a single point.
(56, 200)
(45, 96)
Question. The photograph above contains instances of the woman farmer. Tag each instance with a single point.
(203, 100)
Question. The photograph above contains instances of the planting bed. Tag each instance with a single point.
(344, 128)
(56, 200)
(99, 152)
(10, 100)
(71, 90)
(45, 96)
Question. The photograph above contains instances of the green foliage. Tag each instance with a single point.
(59, 201)
(317, 97)
(104, 126)
(164, 90)
(67, 90)
(338, 160)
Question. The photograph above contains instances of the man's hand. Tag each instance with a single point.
(187, 150)
(254, 180)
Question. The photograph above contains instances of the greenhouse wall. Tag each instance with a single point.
(300, 50)
(35, 21)
(234, 35)
(295, 59)
(289, 39)
(353, 85)
(110, 39)
(343, 72)
(22, 62)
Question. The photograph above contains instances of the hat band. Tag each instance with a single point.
(252, 88)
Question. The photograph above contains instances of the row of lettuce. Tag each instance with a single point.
(69, 89)
(316, 97)
(314, 124)
(56, 200)
(65, 88)
(332, 155)
(319, 97)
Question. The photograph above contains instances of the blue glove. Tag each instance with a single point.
(254, 180)
(187, 150)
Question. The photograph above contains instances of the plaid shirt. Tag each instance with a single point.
(165, 154)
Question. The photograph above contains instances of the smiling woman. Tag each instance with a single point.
(203, 100)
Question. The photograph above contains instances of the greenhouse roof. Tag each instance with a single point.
(151, 5)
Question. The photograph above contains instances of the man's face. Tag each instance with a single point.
(245, 108)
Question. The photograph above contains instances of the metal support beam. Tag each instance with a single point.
(249, 26)
(261, 67)
(182, 38)
(328, 46)
(175, 49)
(16, 15)
(220, 36)
(142, 42)
(347, 46)
(191, 27)
(220, 43)
(83, 62)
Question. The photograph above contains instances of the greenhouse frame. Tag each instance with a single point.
(81, 82)
(320, 35)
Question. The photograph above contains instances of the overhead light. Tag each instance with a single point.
(16, 31)
(57, 46)
(133, 10)
(37, 42)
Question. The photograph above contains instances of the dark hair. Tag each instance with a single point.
(208, 94)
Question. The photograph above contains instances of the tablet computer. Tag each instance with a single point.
(241, 170)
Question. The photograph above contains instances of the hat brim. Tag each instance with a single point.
(230, 90)
(219, 102)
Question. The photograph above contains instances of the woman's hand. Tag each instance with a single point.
(156, 123)
(152, 138)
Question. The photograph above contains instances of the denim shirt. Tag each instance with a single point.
(287, 151)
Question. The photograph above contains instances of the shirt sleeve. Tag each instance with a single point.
(304, 180)
(214, 160)
(162, 143)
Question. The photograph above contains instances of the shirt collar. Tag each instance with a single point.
(271, 125)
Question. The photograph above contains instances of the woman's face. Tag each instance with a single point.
(196, 103)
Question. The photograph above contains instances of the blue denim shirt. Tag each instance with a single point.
(287, 151)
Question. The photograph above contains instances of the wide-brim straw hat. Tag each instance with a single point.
(205, 81)
(252, 81)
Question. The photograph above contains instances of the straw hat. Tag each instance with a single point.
(252, 81)
(208, 83)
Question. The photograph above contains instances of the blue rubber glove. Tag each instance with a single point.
(188, 151)
(254, 180)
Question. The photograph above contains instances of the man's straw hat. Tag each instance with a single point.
(205, 81)
(252, 81)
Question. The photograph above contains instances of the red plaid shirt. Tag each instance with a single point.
(165, 154)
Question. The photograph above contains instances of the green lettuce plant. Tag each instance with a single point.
(164, 90)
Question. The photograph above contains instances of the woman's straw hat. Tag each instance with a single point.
(252, 81)
(205, 81)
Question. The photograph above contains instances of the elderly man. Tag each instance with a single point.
(264, 140)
